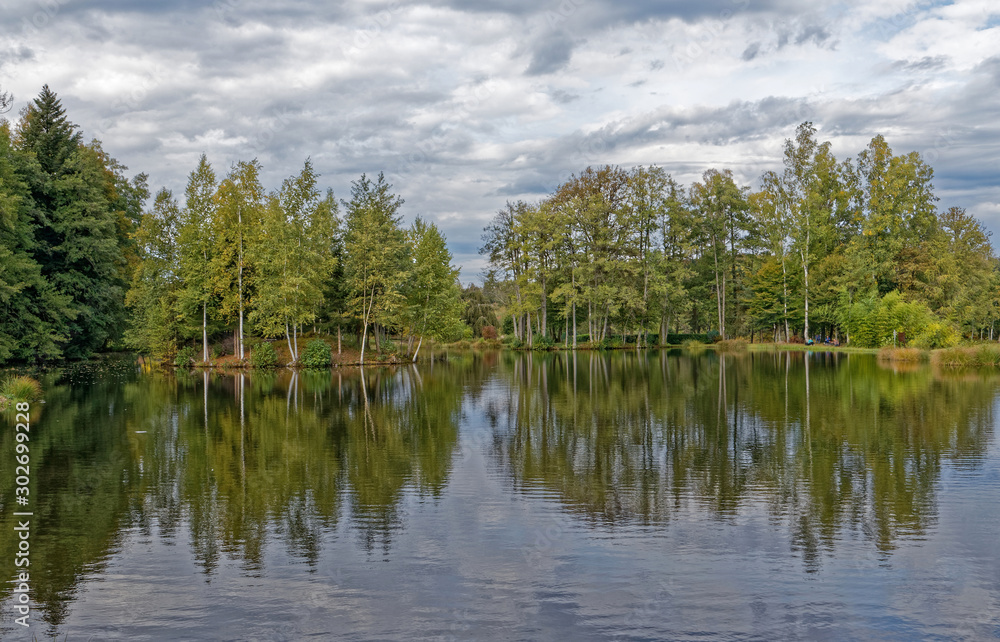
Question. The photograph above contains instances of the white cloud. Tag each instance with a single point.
(464, 107)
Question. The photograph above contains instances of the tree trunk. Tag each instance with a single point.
(204, 330)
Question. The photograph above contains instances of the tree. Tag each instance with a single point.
(33, 315)
(721, 207)
(80, 232)
(152, 298)
(810, 193)
(891, 201)
(374, 252)
(294, 258)
(196, 247)
(240, 211)
(433, 293)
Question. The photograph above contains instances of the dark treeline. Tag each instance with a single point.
(86, 266)
(853, 250)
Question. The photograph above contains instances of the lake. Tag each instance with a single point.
(618, 495)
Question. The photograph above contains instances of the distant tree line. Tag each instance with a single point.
(853, 250)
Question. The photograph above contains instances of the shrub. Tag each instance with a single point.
(317, 354)
(489, 332)
(694, 345)
(713, 336)
(186, 356)
(542, 342)
(732, 345)
(217, 351)
(263, 355)
(678, 338)
(21, 388)
(889, 353)
(937, 335)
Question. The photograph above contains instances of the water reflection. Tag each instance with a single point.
(240, 458)
(827, 443)
(231, 466)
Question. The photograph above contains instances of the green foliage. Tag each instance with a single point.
(872, 322)
(937, 335)
(186, 356)
(679, 338)
(263, 355)
(317, 354)
(542, 342)
(375, 253)
(82, 215)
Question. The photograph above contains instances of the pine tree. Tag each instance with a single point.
(33, 316)
(79, 234)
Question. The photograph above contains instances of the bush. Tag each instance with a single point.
(317, 354)
(542, 342)
(680, 338)
(732, 345)
(489, 332)
(186, 356)
(889, 353)
(263, 355)
(21, 388)
(713, 336)
(872, 322)
(694, 345)
(937, 335)
(217, 351)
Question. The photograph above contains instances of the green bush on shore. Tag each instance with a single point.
(317, 354)
(263, 355)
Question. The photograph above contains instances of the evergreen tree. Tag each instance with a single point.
(33, 316)
(375, 253)
(79, 233)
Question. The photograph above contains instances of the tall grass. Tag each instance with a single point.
(732, 345)
(693, 345)
(982, 355)
(18, 389)
(889, 353)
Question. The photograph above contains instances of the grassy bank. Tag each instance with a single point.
(16, 389)
(967, 356)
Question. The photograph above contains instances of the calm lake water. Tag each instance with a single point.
(657, 495)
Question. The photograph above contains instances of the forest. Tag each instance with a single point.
(854, 250)
(86, 266)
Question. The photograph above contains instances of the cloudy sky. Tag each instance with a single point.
(467, 104)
